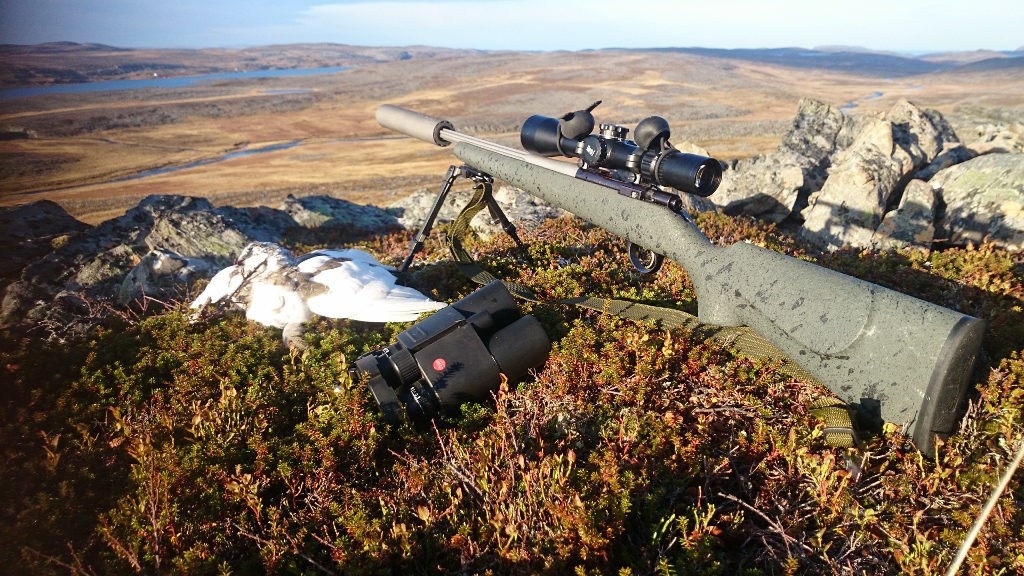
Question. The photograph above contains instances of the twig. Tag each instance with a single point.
(295, 549)
(75, 568)
(961, 554)
(123, 550)
(742, 411)
(776, 527)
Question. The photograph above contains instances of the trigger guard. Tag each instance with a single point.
(645, 267)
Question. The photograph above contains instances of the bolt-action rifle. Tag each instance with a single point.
(890, 356)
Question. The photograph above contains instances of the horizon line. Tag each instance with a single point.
(912, 53)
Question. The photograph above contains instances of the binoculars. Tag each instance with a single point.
(457, 355)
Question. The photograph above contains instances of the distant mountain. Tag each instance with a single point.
(960, 58)
(57, 48)
(1003, 63)
(855, 50)
(868, 63)
(70, 62)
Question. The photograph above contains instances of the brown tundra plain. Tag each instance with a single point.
(77, 149)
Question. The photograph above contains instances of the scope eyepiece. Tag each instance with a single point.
(540, 135)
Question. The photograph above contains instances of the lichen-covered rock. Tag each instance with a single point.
(93, 264)
(771, 187)
(317, 211)
(984, 201)
(915, 135)
(851, 203)
(998, 139)
(765, 188)
(31, 231)
(912, 225)
(814, 131)
(197, 233)
(869, 176)
(521, 208)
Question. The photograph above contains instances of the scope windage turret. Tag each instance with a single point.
(656, 162)
(457, 355)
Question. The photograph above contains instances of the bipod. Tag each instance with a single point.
(484, 181)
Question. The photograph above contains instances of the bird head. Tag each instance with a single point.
(265, 254)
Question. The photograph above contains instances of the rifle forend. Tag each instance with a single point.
(891, 356)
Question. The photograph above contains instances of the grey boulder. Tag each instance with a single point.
(771, 187)
(31, 231)
(867, 178)
(912, 224)
(161, 272)
(984, 201)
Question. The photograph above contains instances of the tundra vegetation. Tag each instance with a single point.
(157, 445)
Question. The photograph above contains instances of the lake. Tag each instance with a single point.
(26, 91)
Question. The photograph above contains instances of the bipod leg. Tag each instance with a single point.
(498, 214)
(417, 241)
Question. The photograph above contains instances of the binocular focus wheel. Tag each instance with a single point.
(645, 261)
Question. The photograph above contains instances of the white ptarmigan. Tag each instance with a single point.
(277, 290)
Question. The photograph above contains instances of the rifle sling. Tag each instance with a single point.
(839, 431)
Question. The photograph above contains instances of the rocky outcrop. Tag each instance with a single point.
(850, 180)
(912, 224)
(152, 249)
(521, 208)
(984, 201)
(772, 186)
(867, 179)
(31, 231)
(325, 211)
(998, 139)
(852, 201)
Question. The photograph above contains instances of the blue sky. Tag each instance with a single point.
(900, 25)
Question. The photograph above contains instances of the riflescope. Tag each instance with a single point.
(455, 356)
(650, 158)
